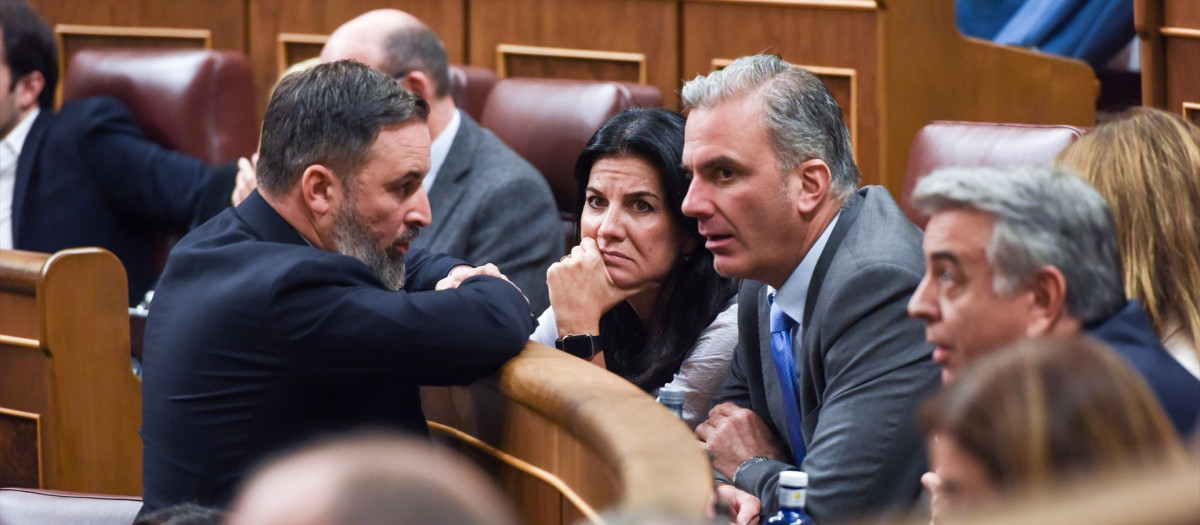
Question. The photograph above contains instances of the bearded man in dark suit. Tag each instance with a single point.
(489, 204)
(303, 311)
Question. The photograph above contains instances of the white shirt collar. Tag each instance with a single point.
(15, 139)
(10, 153)
(794, 293)
(440, 149)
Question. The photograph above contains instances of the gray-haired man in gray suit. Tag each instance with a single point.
(775, 190)
(489, 204)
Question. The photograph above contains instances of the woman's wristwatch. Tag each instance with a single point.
(584, 346)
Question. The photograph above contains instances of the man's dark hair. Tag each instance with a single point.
(29, 46)
(417, 48)
(330, 115)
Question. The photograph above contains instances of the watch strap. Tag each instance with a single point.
(583, 346)
(747, 464)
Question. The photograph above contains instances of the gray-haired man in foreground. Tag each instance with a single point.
(1032, 251)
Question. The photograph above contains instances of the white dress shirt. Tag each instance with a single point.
(700, 373)
(794, 293)
(440, 149)
(10, 152)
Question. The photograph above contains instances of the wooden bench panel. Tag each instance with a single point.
(74, 372)
(568, 440)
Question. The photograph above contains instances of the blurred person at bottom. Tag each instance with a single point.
(1040, 413)
(639, 294)
(370, 479)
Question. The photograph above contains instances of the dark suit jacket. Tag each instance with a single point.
(87, 177)
(491, 206)
(1130, 333)
(862, 370)
(258, 340)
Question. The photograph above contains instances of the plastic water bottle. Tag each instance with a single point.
(792, 488)
(672, 398)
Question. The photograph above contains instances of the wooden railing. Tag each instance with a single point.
(70, 405)
(568, 440)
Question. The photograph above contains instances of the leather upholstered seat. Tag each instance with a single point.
(195, 101)
(52, 507)
(944, 144)
(549, 121)
(470, 87)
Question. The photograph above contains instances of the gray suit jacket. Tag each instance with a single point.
(491, 206)
(862, 370)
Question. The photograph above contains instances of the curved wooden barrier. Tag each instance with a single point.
(70, 405)
(568, 440)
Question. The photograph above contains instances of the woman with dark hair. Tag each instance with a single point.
(639, 294)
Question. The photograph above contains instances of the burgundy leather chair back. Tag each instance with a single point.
(644, 95)
(945, 144)
(549, 121)
(52, 507)
(196, 101)
(470, 86)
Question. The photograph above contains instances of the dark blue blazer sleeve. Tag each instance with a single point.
(135, 175)
(448, 337)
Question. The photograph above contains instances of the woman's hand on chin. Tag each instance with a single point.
(581, 290)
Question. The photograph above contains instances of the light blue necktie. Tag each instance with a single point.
(785, 365)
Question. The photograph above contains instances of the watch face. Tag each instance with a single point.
(581, 346)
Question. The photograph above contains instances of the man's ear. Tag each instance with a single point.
(808, 184)
(322, 189)
(1048, 300)
(419, 83)
(28, 88)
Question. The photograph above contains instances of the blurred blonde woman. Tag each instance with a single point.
(1146, 163)
(1039, 413)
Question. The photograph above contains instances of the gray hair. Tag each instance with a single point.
(802, 118)
(1044, 216)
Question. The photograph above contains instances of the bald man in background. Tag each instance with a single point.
(489, 204)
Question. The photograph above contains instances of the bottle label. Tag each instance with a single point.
(791, 498)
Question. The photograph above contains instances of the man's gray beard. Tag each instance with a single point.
(352, 238)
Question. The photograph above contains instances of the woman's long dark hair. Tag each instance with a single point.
(649, 354)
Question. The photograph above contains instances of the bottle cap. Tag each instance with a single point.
(670, 395)
(793, 479)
